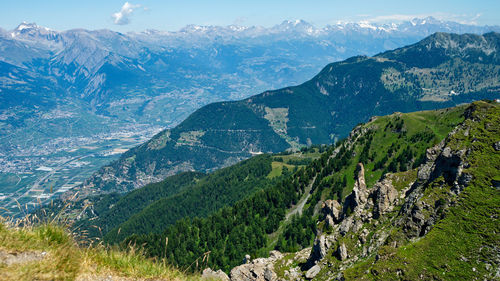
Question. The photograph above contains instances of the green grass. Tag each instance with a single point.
(439, 122)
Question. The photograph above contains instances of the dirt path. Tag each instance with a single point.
(297, 209)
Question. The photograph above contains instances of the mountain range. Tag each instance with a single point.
(72, 101)
(440, 71)
(77, 84)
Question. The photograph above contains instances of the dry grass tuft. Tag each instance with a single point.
(49, 252)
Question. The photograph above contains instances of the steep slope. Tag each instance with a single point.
(154, 207)
(437, 222)
(442, 70)
(219, 189)
(389, 145)
(102, 213)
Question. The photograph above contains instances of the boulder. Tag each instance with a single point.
(208, 273)
(261, 269)
(276, 255)
(341, 252)
(496, 146)
(332, 211)
(247, 259)
(313, 271)
(385, 196)
(320, 248)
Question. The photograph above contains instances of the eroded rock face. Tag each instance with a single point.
(424, 173)
(359, 192)
(417, 217)
(384, 197)
(357, 200)
(332, 211)
(320, 248)
(342, 252)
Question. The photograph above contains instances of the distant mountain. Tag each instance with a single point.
(439, 71)
(158, 78)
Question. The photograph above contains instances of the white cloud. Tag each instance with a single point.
(123, 16)
(240, 20)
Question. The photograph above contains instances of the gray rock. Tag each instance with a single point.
(359, 191)
(276, 255)
(208, 273)
(496, 146)
(313, 271)
(247, 259)
(329, 223)
(346, 225)
(332, 211)
(357, 200)
(424, 173)
(342, 252)
(320, 248)
(269, 274)
(261, 269)
(385, 195)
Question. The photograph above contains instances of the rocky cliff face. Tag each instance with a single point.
(379, 231)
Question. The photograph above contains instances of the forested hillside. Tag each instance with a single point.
(265, 220)
(104, 212)
(439, 71)
(191, 194)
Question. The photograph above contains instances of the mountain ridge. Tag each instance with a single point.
(406, 157)
(318, 111)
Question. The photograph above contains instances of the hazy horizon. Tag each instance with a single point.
(140, 15)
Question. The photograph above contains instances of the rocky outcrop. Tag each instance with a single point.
(444, 164)
(313, 271)
(209, 274)
(341, 252)
(320, 247)
(332, 211)
(384, 197)
(261, 269)
(400, 208)
(359, 195)
(357, 210)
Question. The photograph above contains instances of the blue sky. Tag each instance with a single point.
(139, 15)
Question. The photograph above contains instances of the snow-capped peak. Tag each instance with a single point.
(26, 27)
(31, 32)
(298, 25)
(367, 24)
